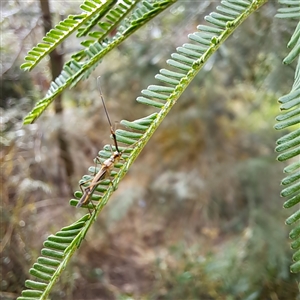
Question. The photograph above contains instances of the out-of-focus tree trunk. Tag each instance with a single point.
(56, 64)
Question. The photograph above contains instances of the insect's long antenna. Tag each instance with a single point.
(107, 115)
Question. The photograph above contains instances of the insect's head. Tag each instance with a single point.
(117, 156)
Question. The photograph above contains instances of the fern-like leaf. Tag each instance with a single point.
(57, 251)
(294, 44)
(291, 11)
(289, 145)
(65, 28)
(112, 20)
(83, 30)
(74, 70)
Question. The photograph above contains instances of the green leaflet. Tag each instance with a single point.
(289, 144)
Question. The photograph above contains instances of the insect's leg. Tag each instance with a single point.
(90, 210)
(83, 190)
(97, 161)
(83, 183)
(94, 207)
(82, 202)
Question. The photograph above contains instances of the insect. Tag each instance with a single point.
(106, 167)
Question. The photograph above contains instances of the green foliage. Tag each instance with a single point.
(56, 254)
(251, 267)
(126, 18)
(288, 145)
(292, 11)
(65, 28)
(77, 69)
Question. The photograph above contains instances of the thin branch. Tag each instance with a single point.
(36, 24)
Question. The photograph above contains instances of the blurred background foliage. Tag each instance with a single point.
(205, 219)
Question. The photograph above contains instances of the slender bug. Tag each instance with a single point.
(106, 167)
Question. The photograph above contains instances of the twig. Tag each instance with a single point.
(21, 48)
